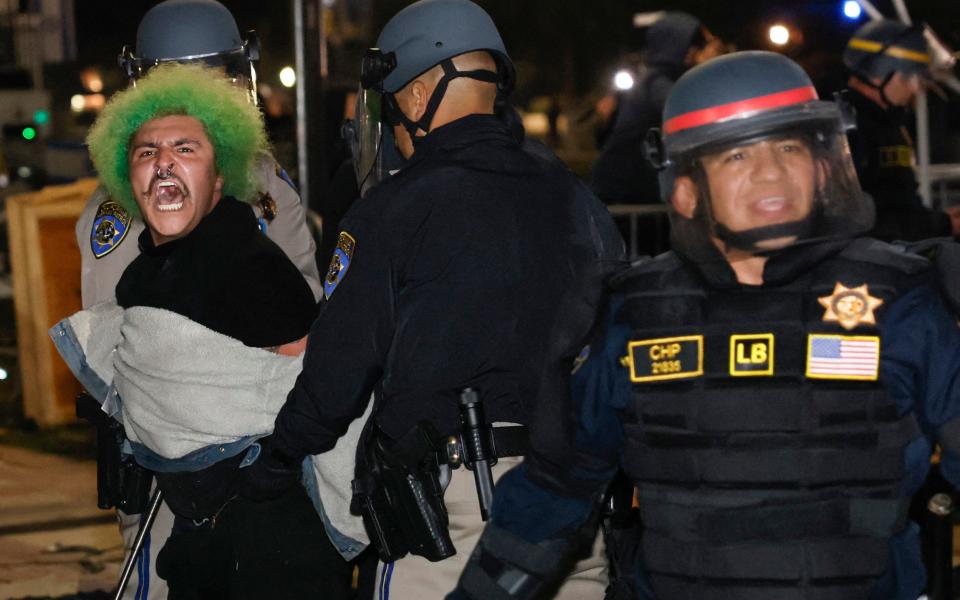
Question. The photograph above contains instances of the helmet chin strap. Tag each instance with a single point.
(748, 239)
(450, 73)
(881, 88)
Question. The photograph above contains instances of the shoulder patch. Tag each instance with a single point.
(339, 263)
(282, 174)
(110, 227)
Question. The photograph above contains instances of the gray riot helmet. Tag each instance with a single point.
(880, 49)
(193, 31)
(757, 106)
(419, 37)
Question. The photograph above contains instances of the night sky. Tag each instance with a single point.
(560, 46)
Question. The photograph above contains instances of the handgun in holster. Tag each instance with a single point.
(399, 494)
(121, 482)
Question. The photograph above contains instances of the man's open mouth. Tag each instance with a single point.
(770, 204)
(169, 196)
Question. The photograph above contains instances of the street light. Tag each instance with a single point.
(288, 77)
(779, 35)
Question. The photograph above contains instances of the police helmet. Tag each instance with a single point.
(427, 33)
(419, 37)
(193, 31)
(741, 99)
(884, 47)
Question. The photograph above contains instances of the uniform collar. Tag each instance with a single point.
(782, 267)
(464, 131)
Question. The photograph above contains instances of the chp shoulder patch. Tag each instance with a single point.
(110, 227)
(665, 358)
(282, 174)
(342, 255)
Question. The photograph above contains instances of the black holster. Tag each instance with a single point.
(399, 495)
(121, 482)
(620, 524)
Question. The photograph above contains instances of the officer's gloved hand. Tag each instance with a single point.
(271, 475)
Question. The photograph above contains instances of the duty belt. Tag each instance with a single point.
(510, 440)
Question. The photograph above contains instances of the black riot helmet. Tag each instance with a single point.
(881, 48)
(193, 31)
(732, 104)
(419, 37)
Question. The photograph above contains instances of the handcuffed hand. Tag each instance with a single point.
(270, 476)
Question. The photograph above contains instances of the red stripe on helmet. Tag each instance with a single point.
(722, 112)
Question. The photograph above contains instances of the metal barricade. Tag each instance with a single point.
(655, 237)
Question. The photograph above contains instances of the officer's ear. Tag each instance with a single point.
(419, 97)
(685, 196)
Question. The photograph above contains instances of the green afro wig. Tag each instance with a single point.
(233, 124)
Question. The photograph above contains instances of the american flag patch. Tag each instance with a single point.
(843, 357)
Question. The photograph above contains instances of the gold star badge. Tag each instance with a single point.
(850, 307)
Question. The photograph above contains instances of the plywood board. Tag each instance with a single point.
(45, 262)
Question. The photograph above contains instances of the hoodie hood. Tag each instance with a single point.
(669, 38)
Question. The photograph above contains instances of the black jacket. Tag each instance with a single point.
(622, 174)
(476, 265)
(225, 275)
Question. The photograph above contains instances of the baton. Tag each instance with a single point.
(142, 533)
(476, 442)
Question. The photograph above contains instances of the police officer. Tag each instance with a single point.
(476, 265)
(676, 42)
(184, 31)
(773, 385)
(887, 61)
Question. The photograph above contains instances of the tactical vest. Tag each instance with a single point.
(766, 452)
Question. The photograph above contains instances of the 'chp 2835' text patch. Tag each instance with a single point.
(665, 358)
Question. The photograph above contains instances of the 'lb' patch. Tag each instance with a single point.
(665, 358)
(110, 227)
(339, 264)
(843, 357)
(751, 355)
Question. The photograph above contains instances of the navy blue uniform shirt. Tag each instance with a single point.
(477, 264)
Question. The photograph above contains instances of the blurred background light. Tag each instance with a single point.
(623, 80)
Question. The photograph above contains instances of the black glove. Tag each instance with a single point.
(271, 475)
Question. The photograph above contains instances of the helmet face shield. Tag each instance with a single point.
(370, 137)
(237, 63)
(763, 192)
(752, 161)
